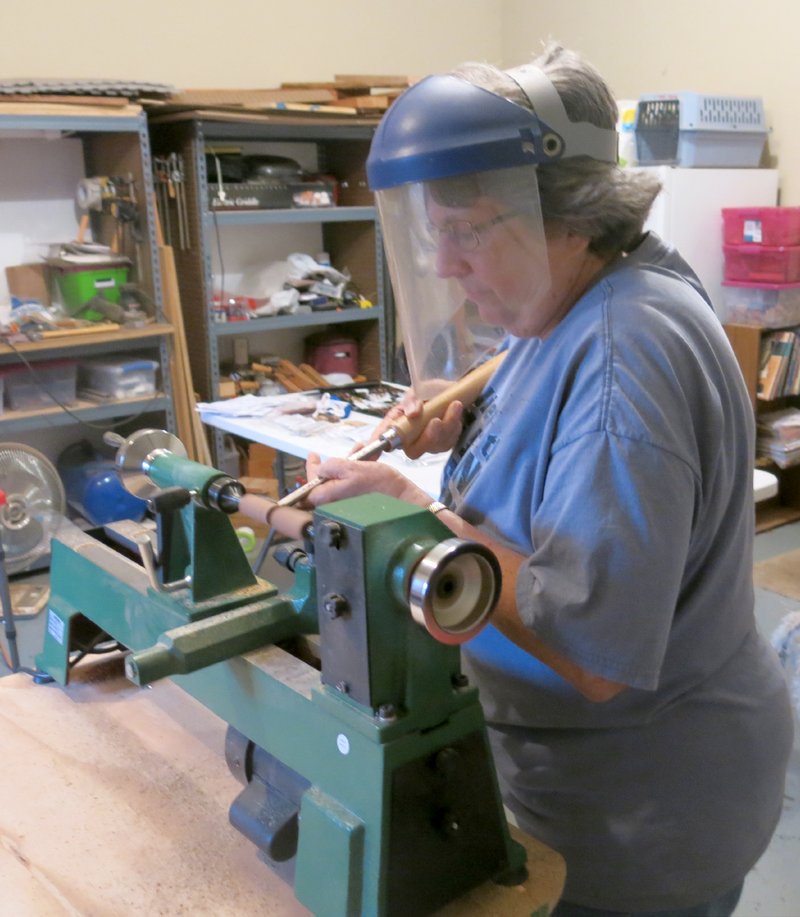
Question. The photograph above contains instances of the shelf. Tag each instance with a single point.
(293, 215)
(229, 126)
(303, 320)
(350, 233)
(104, 139)
(46, 118)
(76, 341)
(82, 409)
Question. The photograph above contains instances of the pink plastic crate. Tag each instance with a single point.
(761, 225)
(762, 263)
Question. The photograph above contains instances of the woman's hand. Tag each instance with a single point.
(344, 478)
(438, 435)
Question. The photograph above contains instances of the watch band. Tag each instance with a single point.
(436, 507)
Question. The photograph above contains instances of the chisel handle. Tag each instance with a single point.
(466, 390)
(405, 430)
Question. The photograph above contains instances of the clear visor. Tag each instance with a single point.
(468, 261)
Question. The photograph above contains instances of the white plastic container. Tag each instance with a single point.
(52, 383)
(117, 379)
(769, 305)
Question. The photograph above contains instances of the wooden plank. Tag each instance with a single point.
(101, 101)
(309, 108)
(359, 80)
(99, 328)
(250, 98)
(369, 103)
(100, 336)
(161, 841)
(190, 428)
(70, 109)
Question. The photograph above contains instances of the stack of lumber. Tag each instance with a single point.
(356, 94)
(346, 94)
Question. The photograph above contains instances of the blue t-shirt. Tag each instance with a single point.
(616, 455)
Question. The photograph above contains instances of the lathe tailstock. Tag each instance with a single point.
(367, 778)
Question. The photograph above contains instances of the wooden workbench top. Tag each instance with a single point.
(114, 802)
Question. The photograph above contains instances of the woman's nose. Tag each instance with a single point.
(450, 261)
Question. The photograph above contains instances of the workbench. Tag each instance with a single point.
(337, 440)
(115, 803)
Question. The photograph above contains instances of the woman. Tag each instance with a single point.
(639, 723)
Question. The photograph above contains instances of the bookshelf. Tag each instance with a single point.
(746, 341)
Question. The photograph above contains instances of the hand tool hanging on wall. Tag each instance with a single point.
(112, 195)
(170, 182)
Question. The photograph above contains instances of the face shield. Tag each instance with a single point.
(453, 168)
(467, 256)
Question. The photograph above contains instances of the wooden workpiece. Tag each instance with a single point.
(115, 803)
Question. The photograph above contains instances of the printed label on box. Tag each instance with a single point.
(752, 230)
(55, 626)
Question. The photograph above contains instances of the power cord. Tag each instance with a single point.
(84, 423)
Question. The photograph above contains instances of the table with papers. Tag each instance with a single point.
(271, 422)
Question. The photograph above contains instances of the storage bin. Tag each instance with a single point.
(690, 129)
(118, 378)
(759, 264)
(332, 354)
(78, 283)
(51, 383)
(761, 225)
(766, 305)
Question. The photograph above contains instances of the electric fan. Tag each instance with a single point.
(33, 509)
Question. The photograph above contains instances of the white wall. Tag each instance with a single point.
(721, 47)
(735, 47)
(243, 43)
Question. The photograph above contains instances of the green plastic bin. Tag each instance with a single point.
(78, 283)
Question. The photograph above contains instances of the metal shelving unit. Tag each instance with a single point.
(113, 143)
(350, 232)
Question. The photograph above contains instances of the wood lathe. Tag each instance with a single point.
(367, 780)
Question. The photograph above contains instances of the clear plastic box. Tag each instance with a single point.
(766, 305)
(118, 379)
(760, 264)
(51, 383)
(690, 129)
(761, 225)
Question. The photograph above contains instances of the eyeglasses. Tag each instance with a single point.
(465, 235)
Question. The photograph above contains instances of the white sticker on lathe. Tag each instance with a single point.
(55, 626)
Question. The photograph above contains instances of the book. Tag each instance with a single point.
(776, 353)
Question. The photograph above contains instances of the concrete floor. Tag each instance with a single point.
(773, 887)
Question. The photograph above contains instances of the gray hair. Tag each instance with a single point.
(597, 200)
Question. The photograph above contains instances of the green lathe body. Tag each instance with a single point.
(367, 777)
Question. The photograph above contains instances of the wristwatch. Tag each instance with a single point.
(436, 507)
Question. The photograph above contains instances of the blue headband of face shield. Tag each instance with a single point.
(445, 126)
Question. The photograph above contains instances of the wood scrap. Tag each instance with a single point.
(309, 108)
(360, 80)
(319, 380)
(294, 379)
(190, 428)
(94, 101)
(95, 328)
(247, 98)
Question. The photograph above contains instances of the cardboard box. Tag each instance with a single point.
(29, 281)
